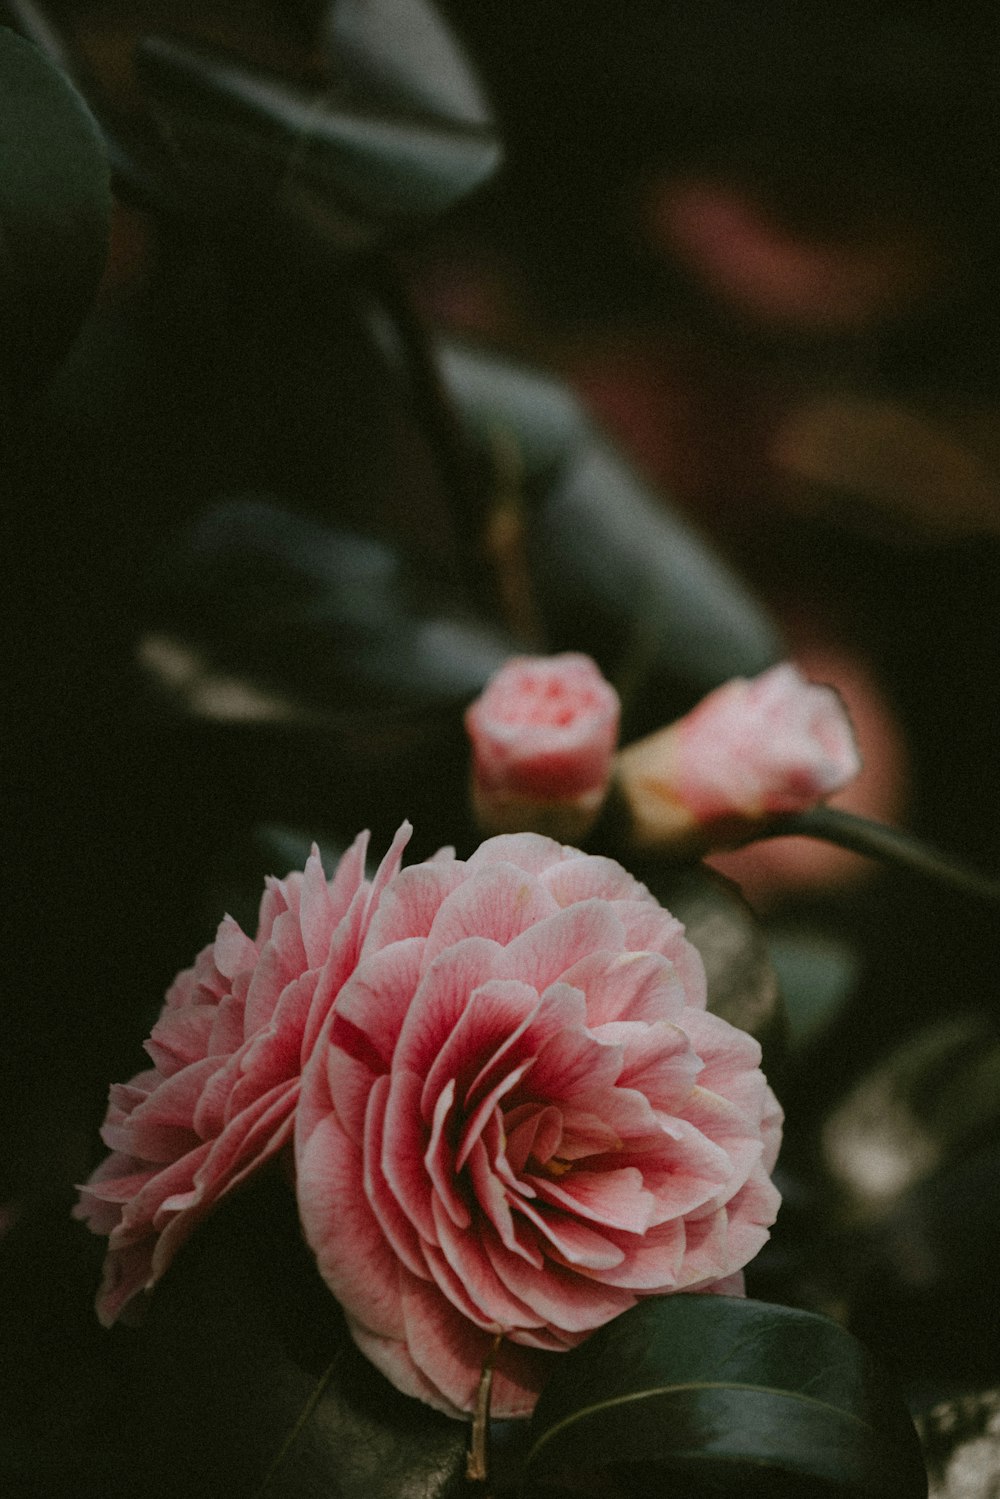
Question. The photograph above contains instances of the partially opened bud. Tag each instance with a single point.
(748, 752)
(543, 736)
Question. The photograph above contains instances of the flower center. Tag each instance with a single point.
(555, 1167)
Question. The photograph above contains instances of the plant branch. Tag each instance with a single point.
(890, 845)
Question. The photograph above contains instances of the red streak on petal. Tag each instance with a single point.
(353, 1041)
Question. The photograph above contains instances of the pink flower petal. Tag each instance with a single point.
(628, 986)
(483, 1038)
(233, 951)
(161, 1126)
(568, 1301)
(495, 1200)
(317, 916)
(707, 1254)
(123, 1278)
(440, 1163)
(410, 903)
(387, 870)
(393, 1221)
(530, 852)
(498, 901)
(750, 1214)
(537, 1132)
(614, 1199)
(180, 1037)
(391, 1357)
(486, 1110)
(441, 998)
(659, 1062)
(467, 1278)
(272, 1055)
(450, 1353)
(590, 877)
(228, 1028)
(651, 929)
(551, 946)
(404, 1144)
(650, 1263)
(571, 1065)
(274, 902)
(351, 1251)
(357, 1043)
(337, 968)
(582, 1134)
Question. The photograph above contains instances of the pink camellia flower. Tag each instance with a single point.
(227, 1054)
(519, 1118)
(749, 751)
(543, 734)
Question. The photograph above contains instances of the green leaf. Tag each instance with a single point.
(716, 1395)
(55, 207)
(400, 138)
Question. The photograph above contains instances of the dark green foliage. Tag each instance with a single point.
(243, 1380)
(54, 214)
(713, 1395)
(397, 133)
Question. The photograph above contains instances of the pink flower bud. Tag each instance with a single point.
(749, 751)
(543, 737)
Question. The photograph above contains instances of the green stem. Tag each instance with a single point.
(477, 1462)
(892, 846)
(437, 415)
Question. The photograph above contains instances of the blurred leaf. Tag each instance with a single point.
(921, 1283)
(397, 135)
(55, 208)
(242, 1380)
(253, 1386)
(888, 468)
(401, 53)
(921, 1108)
(328, 620)
(629, 582)
(817, 972)
(715, 1395)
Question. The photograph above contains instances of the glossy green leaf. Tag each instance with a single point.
(394, 140)
(402, 53)
(715, 1395)
(55, 210)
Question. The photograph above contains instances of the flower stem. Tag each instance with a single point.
(438, 417)
(477, 1462)
(891, 845)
